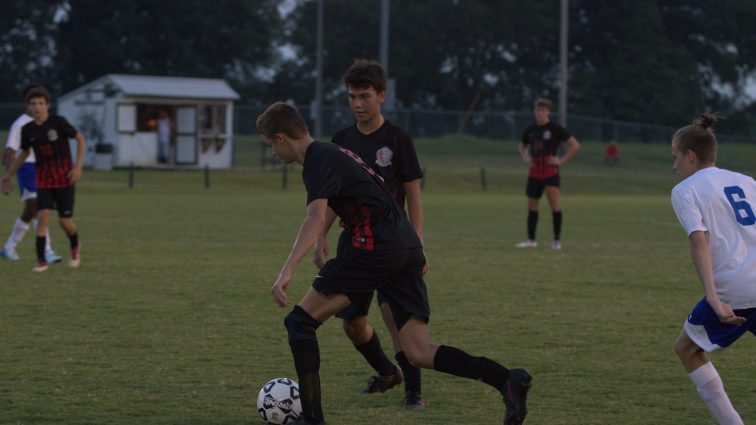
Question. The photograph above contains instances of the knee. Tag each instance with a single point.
(684, 350)
(418, 357)
(300, 326)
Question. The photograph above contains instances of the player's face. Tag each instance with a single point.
(365, 103)
(542, 115)
(683, 164)
(38, 107)
(281, 148)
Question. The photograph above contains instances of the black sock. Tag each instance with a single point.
(411, 373)
(74, 239)
(41, 242)
(306, 352)
(557, 216)
(532, 223)
(373, 353)
(456, 362)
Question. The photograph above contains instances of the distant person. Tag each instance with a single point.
(716, 209)
(56, 176)
(538, 148)
(27, 190)
(383, 254)
(611, 152)
(389, 151)
(165, 128)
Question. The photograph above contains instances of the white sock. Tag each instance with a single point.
(17, 234)
(710, 388)
(48, 243)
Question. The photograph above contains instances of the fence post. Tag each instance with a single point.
(207, 176)
(285, 176)
(422, 180)
(131, 175)
(483, 178)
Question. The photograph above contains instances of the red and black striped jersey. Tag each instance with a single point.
(49, 141)
(543, 142)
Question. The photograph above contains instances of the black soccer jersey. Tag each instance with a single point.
(354, 191)
(389, 151)
(52, 150)
(544, 141)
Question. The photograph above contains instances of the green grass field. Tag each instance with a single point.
(169, 320)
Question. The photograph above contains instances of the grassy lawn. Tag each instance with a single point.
(169, 320)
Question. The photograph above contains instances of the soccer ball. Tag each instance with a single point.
(278, 401)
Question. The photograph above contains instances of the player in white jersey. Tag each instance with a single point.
(716, 209)
(27, 190)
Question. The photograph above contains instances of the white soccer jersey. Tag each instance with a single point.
(723, 204)
(14, 136)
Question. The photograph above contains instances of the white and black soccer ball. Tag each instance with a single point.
(278, 401)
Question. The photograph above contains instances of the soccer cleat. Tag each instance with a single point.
(414, 401)
(556, 245)
(527, 244)
(40, 267)
(52, 257)
(75, 258)
(515, 394)
(9, 255)
(301, 421)
(381, 384)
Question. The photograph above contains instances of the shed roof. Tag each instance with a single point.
(156, 86)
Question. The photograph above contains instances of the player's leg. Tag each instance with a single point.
(64, 198)
(26, 187)
(366, 341)
(703, 332)
(43, 217)
(552, 194)
(301, 324)
(534, 191)
(412, 376)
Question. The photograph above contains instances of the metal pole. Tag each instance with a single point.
(285, 176)
(207, 176)
(319, 78)
(131, 175)
(563, 31)
(384, 37)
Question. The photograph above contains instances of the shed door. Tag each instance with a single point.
(186, 135)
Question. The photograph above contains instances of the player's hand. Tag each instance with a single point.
(6, 185)
(527, 159)
(726, 315)
(74, 175)
(279, 289)
(554, 160)
(320, 255)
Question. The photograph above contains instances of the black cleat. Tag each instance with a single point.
(414, 401)
(301, 421)
(381, 384)
(515, 394)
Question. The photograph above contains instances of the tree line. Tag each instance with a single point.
(653, 61)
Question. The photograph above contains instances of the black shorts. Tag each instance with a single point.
(397, 275)
(60, 198)
(535, 187)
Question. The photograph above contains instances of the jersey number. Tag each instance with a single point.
(743, 211)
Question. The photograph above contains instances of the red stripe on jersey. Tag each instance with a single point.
(362, 232)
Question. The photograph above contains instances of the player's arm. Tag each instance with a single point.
(5, 181)
(320, 254)
(8, 156)
(75, 174)
(524, 154)
(311, 229)
(573, 146)
(700, 252)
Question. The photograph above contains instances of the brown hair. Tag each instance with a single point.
(699, 137)
(365, 73)
(542, 103)
(281, 118)
(37, 92)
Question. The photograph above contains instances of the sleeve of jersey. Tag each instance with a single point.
(66, 128)
(564, 135)
(320, 180)
(14, 137)
(409, 165)
(25, 144)
(524, 139)
(687, 211)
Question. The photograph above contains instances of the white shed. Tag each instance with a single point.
(123, 110)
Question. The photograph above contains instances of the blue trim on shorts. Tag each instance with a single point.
(27, 178)
(719, 333)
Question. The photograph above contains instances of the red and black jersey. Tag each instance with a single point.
(50, 143)
(543, 142)
(372, 219)
(389, 151)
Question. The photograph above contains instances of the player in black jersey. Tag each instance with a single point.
(381, 251)
(56, 175)
(389, 151)
(539, 149)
